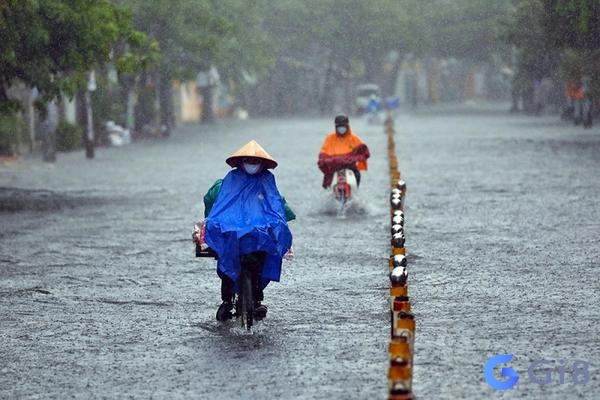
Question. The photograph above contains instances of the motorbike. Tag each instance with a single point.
(373, 111)
(345, 185)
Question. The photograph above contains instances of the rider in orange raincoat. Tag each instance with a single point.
(342, 149)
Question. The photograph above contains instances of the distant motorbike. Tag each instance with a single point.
(374, 110)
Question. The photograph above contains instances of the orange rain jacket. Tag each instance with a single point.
(341, 151)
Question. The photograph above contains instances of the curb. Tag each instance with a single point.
(401, 344)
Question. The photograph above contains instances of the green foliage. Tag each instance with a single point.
(12, 129)
(347, 32)
(245, 47)
(188, 33)
(365, 31)
(548, 31)
(536, 58)
(107, 104)
(146, 108)
(572, 65)
(468, 29)
(572, 23)
(577, 63)
(68, 136)
(52, 44)
(557, 24)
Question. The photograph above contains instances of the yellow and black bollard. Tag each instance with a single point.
(398, 217)
(401, 345)
(400, 371)
(404, 327)
(397, 261)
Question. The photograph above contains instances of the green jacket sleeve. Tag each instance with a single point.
(211, 196)
(289, 213)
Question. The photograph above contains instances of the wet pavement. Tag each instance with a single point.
(101, 295)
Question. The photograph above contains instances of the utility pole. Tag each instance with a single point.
(30, 113)
(89, 132)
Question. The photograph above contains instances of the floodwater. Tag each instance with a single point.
(101, 295)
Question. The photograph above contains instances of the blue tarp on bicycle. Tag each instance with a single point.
(248, 216)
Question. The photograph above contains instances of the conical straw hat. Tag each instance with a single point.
(252, 149)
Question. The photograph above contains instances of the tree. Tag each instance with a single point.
(556, 35)
(572, 23)
(574, 27)
(195, 34)
(467, 29)
(52, 44)
(339, 39)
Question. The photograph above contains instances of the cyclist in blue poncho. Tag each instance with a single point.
(246, 222)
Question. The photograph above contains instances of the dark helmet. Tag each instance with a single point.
(342, 120)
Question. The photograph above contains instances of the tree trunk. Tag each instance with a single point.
(49, 132)
(207, 104)
(144, 113)
(30, 116)
(130, 113)
(89, 132)
(396, 74)
(165, 95)
(48, 148)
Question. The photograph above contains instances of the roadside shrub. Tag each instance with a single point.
(68, 136)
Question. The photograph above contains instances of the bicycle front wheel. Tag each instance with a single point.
(246, 299)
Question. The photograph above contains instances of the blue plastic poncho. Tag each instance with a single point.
(248, 216)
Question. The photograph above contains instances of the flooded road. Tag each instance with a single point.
(101, 295)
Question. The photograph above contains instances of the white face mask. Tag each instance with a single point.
(251, 169)
(341, 130)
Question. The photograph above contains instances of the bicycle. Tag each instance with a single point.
(248, 281)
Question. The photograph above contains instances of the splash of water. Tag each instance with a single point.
(356, 206)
